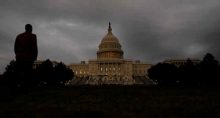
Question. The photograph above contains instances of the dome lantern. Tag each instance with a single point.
(109, 28)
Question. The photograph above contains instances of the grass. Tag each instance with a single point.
(113, 101)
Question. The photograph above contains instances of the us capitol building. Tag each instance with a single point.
(110, 67)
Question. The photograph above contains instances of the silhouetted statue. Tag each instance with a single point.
(26, 52)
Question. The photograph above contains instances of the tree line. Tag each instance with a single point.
(46, 74)
(205, 73)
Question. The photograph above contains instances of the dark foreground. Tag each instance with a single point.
(113, 101)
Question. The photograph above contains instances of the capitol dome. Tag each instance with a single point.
(110, 48)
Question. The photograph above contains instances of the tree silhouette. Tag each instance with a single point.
(2, 80)
(53, 76)
(164, 74)
(189, 73)
(45, 72)
(62, 73)
(209, 70)
(10, 75)
(206, 73)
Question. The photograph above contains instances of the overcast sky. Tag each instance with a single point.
(148, 30)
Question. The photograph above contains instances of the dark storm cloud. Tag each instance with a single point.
(149, 30)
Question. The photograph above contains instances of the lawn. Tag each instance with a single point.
(113, 101)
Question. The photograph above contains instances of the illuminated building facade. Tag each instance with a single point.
(110, 67)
